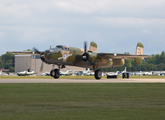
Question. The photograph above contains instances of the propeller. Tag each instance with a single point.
(42, 58)
(36, 50)
(41, 68)
(85, 46)
(85, 55)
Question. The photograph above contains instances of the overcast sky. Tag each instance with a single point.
(115, 25)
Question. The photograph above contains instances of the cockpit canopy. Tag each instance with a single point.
(63, 47)
(58, 48)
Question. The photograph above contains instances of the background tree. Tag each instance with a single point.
(7, 61)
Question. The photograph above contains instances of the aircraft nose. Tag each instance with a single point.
(47, 54)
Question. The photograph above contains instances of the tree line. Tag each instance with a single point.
(155, 63)
(7, 61)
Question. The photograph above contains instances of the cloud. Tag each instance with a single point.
(132, 22)
(2, 34)
(146, 31)
(110, 23)
(133, 8)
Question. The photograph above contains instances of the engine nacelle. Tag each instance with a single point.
(89, 56)
(42, 56)
(118, 62)
(92, 56)
(138, 60)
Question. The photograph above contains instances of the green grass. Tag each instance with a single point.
(132, 101)
(76, 77)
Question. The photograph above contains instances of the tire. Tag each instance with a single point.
(57, 74)
(98, 74)
(123, 75)
(52, 73)
(127, 75)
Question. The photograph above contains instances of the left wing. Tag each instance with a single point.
(25, 53)
(121, 56)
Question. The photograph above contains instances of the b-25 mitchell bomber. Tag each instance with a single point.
(65, 55)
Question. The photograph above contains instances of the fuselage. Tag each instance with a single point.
(65, 55)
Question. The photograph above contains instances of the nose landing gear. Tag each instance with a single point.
(55, 72)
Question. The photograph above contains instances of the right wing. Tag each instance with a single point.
(121, 56)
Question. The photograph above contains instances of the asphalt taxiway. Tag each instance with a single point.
(82, 81)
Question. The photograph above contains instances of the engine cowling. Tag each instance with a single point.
(89, 56)
(43, 56)
(118, 62)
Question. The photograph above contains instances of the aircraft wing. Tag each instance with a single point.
(25, 53)
(121, 56)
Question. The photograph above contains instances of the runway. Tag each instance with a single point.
(82, 81)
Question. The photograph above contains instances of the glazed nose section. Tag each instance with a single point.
(47, 54)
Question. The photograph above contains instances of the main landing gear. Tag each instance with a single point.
(56, 73)
(98, 74)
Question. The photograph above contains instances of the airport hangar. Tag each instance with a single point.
(25, 62)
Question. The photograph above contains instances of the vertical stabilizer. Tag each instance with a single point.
(93, 47)
(125, 70)
(139, 49)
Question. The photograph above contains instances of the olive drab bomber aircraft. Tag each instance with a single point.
(65, 55)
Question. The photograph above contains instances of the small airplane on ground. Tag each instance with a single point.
(1, 73)
(65, 73)
(88, 72)
(25, 73)
(65, 55)
(147, 73)
(116, 73)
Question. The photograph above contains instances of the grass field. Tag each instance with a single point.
(117, 101)
(76, 77)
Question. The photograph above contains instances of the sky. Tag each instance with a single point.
(115, 25)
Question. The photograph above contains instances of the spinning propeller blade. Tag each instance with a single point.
(36, 50)
(85, 46)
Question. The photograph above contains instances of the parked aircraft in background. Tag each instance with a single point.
(65, 55)
(3, 73)
(26, 73)
(45, 74)
(112, 73)
(64, 73)
(147, 73)
(139, 73)
(116, 73)
(124, 71)
(88, 72)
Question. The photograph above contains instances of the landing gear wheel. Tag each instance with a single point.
(125, 75)
(52, 73)
(57, 73)
(98, 74)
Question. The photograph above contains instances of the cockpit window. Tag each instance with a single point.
(54, 50)
(60, 46)
(63, 47)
